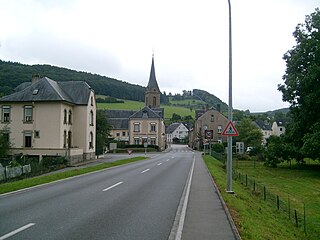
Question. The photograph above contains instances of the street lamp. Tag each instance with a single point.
(229, 160)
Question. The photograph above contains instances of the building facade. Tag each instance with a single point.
(49, 118)
(145, 125)
(176, 132)
(212, 120)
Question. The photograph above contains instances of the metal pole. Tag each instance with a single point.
(229, 161)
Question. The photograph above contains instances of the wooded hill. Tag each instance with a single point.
(13, 74)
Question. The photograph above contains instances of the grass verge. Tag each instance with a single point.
(254, 218)
(31, 182)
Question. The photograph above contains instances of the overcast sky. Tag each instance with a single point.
(116, 38)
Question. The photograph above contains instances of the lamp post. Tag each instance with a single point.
(229, 160)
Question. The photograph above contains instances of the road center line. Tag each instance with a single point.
(168, 160)
(145, 170)
(114, 185)
(10, 234)
(159, 164)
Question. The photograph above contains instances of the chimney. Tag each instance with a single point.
(206, 107)
(219, 107)
(35, 78)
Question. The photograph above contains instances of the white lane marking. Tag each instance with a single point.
(145, 170)
(159, 164)
(114, 185)
(10, 234)
(168, 160)
(172, 157)
(185, 203)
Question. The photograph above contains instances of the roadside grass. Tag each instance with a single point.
(299, 184)
(254, 218)
(31, 182)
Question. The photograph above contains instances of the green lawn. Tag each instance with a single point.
(301, 186)
(256, 218)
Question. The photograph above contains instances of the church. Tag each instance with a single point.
(145, 125)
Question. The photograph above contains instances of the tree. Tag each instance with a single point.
(249, 133)
(102, 131)
(301, 87)
(5, 143)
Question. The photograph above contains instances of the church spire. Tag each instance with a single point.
(152, 96)
(152, 84)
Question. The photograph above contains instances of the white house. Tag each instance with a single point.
(176, 131)
(278, 128)
(49, 118)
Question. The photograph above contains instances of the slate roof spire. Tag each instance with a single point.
(152, 84)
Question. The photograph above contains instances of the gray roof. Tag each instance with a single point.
(262, 125)
(119, 119)
(45, 90)
(146, 112)
(173, 126)
(152, 84)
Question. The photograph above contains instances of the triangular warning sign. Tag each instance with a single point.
(230, 130)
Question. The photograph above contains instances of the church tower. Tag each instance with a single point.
(152, 95)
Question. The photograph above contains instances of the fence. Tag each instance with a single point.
(295, 213)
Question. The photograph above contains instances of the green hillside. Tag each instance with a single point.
(134, 105)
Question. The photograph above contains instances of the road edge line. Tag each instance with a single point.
(177, 227)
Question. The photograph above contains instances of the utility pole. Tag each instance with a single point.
(229, 160)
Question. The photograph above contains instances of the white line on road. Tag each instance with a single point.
(159, 164)
(114, 185)
(145, 170)
(10, 234)
(168, 160)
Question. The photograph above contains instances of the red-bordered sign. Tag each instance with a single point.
(230, 130)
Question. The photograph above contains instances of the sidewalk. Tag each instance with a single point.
(206, 217)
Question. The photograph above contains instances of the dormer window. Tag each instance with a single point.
(144, 114)
(35, 91)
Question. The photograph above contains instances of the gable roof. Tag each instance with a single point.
(173, 126)
(118, 119)
(152, 84)
(262, 125)
(145, 112)
(47, 90)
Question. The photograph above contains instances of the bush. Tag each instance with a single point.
(53, 162)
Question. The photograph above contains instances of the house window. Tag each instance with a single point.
(136, 141)
(91, 118)
(154, 101)
(69, 139)
(5, 114)
(123, 134)
(118, 134)
(212, 118)
(219, 139)
(219, 129)
(64, 139)
(152, 127)
(91, 101)
(144, 114)
(27, 139)
(36, 133)
(91, 140)
(136, 127)
(65, 116)
(153, 141)
(27, 114)
(70, 117)
(280, 129)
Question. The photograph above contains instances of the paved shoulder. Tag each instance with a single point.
(205, 216)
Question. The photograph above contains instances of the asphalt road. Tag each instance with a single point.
(135, 201)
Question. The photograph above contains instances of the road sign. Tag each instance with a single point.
(230, 130)
(130, 151)
(208, 134)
